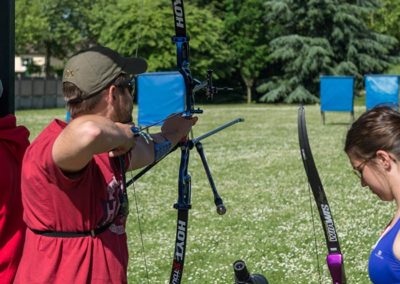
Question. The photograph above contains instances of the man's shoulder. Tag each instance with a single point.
(44, 140)
(53, 129)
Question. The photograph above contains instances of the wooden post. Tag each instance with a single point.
(7, 53)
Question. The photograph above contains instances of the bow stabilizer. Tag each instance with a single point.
(334, 258)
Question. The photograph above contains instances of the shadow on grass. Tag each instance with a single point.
(337, 123)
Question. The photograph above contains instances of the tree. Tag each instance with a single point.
(386, 19)
(217, 8)
(321, 37)
(246, 36)
(54, 27)
(146, 28)
(302, 59)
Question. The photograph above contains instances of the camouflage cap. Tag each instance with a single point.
(91, 70)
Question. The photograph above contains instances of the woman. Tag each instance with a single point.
(373, 147)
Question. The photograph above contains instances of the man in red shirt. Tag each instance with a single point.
(13, 142)
(74, 198)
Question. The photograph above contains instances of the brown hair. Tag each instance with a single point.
(376, 129)
(78, 106)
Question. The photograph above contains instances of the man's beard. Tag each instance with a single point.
(128, 118)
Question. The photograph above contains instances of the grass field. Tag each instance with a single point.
(258, 171)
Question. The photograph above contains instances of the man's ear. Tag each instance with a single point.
(384, 159)
(111, 93)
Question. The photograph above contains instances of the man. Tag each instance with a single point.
(72, 187)
(13, 143)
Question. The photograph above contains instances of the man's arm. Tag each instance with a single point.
(173, 130)
(88, 135)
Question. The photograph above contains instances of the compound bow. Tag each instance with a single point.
(334, 258)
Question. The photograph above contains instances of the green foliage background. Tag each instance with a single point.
(258, 171)
(322, 37)
(267, 50)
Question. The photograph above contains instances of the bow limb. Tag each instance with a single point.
(334, 258)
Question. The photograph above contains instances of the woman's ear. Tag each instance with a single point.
(384, 159)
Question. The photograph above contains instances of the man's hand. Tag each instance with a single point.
(177, 127)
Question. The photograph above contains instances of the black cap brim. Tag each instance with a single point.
(134, 65)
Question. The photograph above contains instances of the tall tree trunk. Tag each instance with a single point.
(47, 68)
(248, 88)
(249, 84)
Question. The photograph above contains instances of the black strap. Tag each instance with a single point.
(91, 233)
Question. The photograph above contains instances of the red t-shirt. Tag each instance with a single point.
(13, 142)
(54, 202)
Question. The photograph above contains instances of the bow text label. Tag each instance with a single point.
(329, 223)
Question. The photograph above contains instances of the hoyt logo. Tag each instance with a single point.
(179, 250)
(180, 241)
(329, 223)
(178, 10)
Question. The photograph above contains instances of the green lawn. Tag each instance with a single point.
(259, 173)
(394, 69)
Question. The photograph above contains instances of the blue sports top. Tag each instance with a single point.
(383, 266)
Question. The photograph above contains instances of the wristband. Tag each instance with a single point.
(137, 132)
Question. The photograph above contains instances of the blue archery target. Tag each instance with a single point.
(381, 90)
(160, 94)
(337, 93)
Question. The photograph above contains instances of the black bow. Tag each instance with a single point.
(334, 258)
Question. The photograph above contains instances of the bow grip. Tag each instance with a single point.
(335, 265)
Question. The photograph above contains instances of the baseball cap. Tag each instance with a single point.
(91, 70)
